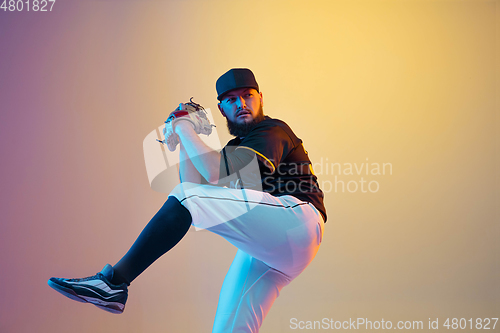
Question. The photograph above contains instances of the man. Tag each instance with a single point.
(276, 221)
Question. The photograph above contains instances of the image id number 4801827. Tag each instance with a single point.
(27, 5)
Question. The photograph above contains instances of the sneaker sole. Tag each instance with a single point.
(66, 292)
(113, 307)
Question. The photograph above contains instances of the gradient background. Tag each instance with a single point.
(411, 83)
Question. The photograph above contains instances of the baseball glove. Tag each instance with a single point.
(191, 112)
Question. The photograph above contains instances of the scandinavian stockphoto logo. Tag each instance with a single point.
(351, 177)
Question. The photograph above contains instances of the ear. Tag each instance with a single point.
(220, 109)
(261, 99)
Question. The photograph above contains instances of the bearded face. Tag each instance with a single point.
(242, 109)
(242, 129)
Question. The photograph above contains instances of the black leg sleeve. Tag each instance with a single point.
(162, 233)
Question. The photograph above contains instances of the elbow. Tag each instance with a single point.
(211, 169)
(213, 178)
(211, 175)
(213, 181)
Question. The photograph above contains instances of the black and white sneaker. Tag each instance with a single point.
(96, 289)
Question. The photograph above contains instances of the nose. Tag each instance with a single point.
(240, 103)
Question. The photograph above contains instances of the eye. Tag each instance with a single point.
(230, 100)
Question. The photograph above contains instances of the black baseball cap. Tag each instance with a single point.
(234, 79)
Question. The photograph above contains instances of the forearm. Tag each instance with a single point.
(204, 159)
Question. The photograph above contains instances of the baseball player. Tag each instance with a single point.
(259, 193)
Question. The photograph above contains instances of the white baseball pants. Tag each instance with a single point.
(276, 237)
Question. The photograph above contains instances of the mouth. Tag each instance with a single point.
(243, 113)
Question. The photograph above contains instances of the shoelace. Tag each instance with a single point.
(97, 276)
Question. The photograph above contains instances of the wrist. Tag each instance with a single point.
(183, 125)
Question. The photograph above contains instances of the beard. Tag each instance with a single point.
(242, 130)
